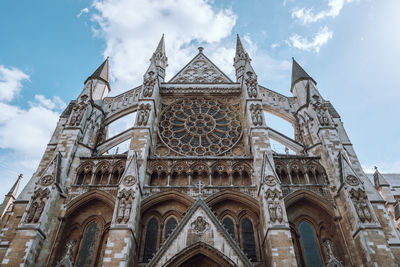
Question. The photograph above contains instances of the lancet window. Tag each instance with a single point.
(248, 240)
(151, 239)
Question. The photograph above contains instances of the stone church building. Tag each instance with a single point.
(200, 184)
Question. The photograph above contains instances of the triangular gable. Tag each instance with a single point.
(52, 170)
(199, 225)
(200, 70)
(347, 172)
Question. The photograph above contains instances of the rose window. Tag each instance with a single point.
(200, 127)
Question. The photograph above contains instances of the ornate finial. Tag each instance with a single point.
(200, 49)
(332, 260)
(20, 176)
(376, 168)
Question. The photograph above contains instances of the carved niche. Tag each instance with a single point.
(129, 180)
(360, 203)
(148, 84)
(47, 180)
(78, 112)
(125, 202)
(200, 226)
(352, 180)
(322, 112)
(270, 180)
(274, 205)
(251, 84)
(144, 114)
(38, 202)
(256, 114)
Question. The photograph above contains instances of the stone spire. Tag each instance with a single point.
(10, 197)
(241, 61)
(379, 180)
(101, 73)
(299, 74)
(159, 57)
(240, 51)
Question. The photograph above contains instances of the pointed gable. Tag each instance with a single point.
(299, 74)
(101, 72)
(199, 226)
(200, 70)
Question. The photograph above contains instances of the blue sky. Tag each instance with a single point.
(48, 48)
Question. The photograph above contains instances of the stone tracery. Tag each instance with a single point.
(200, 127)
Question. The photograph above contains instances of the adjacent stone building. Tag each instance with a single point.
(200, 184)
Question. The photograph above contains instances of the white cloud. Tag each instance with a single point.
(132, 30)
(55, 103)
(83, 11)
(10, 82)
(307, 15)
(275, 45)
(321, 38)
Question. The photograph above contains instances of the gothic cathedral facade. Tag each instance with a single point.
(200, 184)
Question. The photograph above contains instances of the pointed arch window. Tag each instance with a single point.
(88, 249)
(229, 226)
(310, 246)
(170, 226)
(150, 243)
(248, 241)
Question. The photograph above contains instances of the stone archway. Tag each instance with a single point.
(200, 254)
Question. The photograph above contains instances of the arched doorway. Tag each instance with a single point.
(200, 260)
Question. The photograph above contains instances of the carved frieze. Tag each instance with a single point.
(125, 199)
(251, 84)
(256, 114)
(38, 202)
(361, 205)
(144, 114)
(148, 84)
(78, 112)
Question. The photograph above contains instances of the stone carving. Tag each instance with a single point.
(124, 210)
(200, 126)
(67, 261)
(39, 200)
(47, 180)
(200, 226)
(332, 260)
(275, 211)
(256, 114)
(270, 180)
(322, 112)
(251, 84)
(148, 84)
(272, 194)
(78, 112)
(144, 114)
(360, 203)
(129, 180)
(200, 70)
(352, 180)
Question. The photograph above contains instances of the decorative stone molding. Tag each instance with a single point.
(352, 180)
(200, 226)
(125, 199)
(47, 180)
(360, 203)
(78, 112)
(38, 202)
(331, 258)
(129, 180)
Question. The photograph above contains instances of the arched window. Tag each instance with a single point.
(88, 249)
(80, 178)
(248, 242)
(170, 226)
(229, 226)
(310, 247)
(150, 242)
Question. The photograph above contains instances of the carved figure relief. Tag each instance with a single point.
(200, 127)
(125, 201)
(275, 211)
(251, 84)
(256, 114)
(322, 112)
(78, 112)
(200, 226)
(47, 180)
(39, 200)
(144, 114)
(360, 203)
(148, 84)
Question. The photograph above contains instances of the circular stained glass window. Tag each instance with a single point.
(200, 127)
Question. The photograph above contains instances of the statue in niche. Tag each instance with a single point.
(359, 199)
(256, 114)
(148, 84)
(31, 212)
(78, 111)
(275, 211)
(200, 225)
(121, 211)
(144, 114)
(251, 84)
(322, 113)
(39, 211)
(39, 199)
(127, 211)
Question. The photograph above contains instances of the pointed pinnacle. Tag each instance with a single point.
(102, 72)
(161, 46)
(239, 46)
(298, 73)
(14, 189)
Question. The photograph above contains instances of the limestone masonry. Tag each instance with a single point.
(200, 184)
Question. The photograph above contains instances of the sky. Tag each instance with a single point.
(48, 48)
